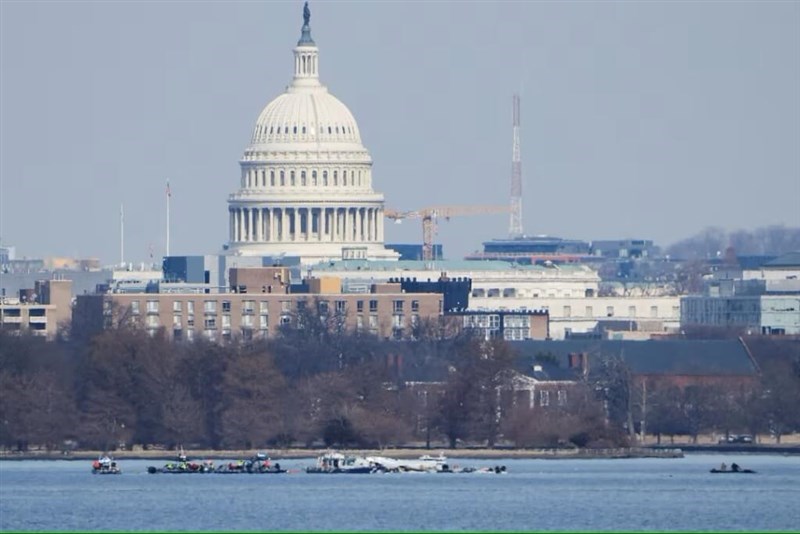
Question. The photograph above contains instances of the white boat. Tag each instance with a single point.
(336, 462)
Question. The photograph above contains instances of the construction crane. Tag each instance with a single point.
(430, 215)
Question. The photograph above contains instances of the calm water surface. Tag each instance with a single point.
(567, 495)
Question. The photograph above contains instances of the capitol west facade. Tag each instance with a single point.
(306, 178)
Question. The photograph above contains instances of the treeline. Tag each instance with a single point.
(767, 405)
(316, 385)
(713, 242)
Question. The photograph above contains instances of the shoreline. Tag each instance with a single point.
(676, 451)
(403, 453)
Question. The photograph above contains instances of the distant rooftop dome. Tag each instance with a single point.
(306, 115)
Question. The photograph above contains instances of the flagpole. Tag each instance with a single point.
(169, 196)
(121, 236)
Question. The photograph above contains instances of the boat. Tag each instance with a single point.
(336, 462)
(733, 469)
(105, 466)
(259, 464)
(183, 466)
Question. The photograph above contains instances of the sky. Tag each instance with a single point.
(649, 120)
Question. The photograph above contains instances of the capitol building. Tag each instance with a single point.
(306, 178)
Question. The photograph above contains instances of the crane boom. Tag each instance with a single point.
(430, 214)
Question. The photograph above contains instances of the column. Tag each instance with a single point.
(334, 224)
(270, 224)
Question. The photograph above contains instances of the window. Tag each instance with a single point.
(263, 322)
(397, 321)
(609, 311)
(325, 178)
(335, 177)
(314, 178)
(631, 311)
(562, 397)
(226, 306)
(359, 306)
(210, 322)
(414, 305)
(653, 311)
(135, 307)
(152, 321)
(263, 307)
(397, 306)
(247, 321)
(272, 178)
(323, 307)
(190, 321)
(567, 311)
(189, 335)
(226, 321)
(373, 305)
(286, 306)
(248, 307)
(341, 307)
(190, 307)
(303, 178)
(176, 306)
(210, 306)
(373, 321)
(589, 311)
(544, 398)
(177, 320)
(359, 322)
(283, 178)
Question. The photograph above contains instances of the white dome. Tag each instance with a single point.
(307, 115)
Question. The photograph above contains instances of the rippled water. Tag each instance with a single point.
(565, 495)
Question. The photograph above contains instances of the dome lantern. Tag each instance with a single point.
(306, 55)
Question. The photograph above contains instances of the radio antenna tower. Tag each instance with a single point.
(515, 226)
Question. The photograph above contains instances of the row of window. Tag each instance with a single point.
(512, 292)
(302, 130)
(258, 178)
(610, 311)
(248, 307)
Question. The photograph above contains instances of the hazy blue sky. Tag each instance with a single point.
(639, 119)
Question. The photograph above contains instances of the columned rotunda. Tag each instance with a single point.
(306, 180)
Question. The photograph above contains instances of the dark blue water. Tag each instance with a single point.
(565, 495)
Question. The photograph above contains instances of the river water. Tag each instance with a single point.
(564, 495)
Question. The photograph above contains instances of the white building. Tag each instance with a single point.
(306, 178)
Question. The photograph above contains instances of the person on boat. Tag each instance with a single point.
(735, 467)
(723, 467)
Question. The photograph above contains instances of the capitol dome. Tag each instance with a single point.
(306, 181)
(306, 116)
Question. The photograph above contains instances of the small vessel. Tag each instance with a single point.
(259, 464)
(336, 462)
(183, 465)
(105, 465)
(726, 471)
(733, 469)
